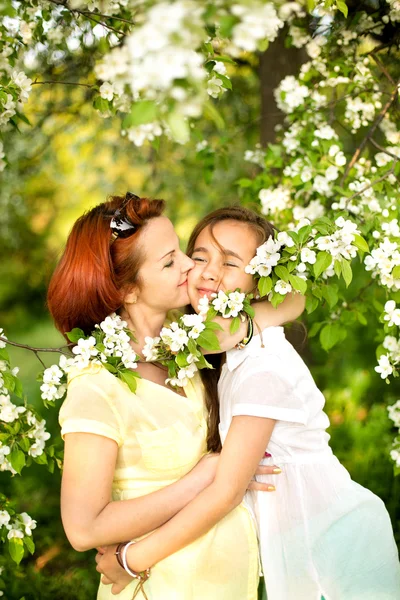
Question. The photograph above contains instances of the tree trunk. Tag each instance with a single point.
(275, 63)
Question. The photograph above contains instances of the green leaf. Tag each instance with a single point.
(331, 334)
(324, 259)
(130, 378)
(110, 368)
(315, 327)
(193, 347)
(338, 268)
(249, 310)
(75, 334)
(235, 324)
(277, 299)
(396, 272)
(208, 340)
(323, 225)
(282, 273)
(361, 318)
(16, 549)
(181, 359)
(264, 286)
(360, 243)
(41, 460)
(213, 325)
(4, 354)
(342, 7)
(346, 271)
(18, 390)
(298, 283)
(330, 294)
(24, 444)
(179, 127)
(226, 82)
(9, 381)
(311, 304)
(304, 233)
(28, 541)
(144, 111)
(17, 459)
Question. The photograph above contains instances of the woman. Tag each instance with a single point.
(322, 534)
(140, 450)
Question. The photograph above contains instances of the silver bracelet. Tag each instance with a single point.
(143, 575)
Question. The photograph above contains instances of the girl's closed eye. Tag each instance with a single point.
(198, 259)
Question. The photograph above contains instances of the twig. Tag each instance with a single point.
(383, 69)
(91, 16)
(370, 185)
(361, 147)
(35, 350)
(87, 85)
(382, 149)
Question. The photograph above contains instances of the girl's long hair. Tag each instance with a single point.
(96, 270)
(263, 230)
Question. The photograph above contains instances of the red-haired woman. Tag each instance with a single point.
(132, 461)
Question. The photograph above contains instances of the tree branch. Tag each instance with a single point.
(370, 185)
(35, 350)
(370, 132)
(91, 16)
(87, 85)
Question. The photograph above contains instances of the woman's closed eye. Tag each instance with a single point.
(169, 264)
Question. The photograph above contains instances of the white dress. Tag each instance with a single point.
(320, 533)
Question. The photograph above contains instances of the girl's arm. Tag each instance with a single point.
(266, 316)
(91, 518)
(237, 463)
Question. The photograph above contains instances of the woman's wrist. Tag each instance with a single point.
(135, 559)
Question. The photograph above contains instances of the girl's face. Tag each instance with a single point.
(222, 267)
(163, 274)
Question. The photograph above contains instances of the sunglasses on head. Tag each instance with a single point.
(120, 225)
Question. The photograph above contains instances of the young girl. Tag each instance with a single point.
(321, 534)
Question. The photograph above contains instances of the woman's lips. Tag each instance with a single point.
(183, 283)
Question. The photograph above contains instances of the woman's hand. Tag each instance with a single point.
(112, 573)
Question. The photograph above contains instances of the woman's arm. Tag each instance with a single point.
(265, 316)
(91, 518)
(237, 463)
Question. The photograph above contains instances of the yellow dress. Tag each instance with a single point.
(161, 435)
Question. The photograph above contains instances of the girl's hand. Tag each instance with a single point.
(112, 573)
(268, 316)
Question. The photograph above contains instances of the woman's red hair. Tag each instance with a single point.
(95, 272)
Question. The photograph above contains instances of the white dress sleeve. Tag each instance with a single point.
(267, 394)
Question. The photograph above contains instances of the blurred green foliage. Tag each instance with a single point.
(71, 159)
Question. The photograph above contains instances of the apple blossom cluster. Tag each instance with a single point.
(394, 415)
(31, 435)
(170, 72)
(13, 96)
(16, 529)
(108, 345)
(384, 260)
(389, 352)
(304, 253)
(178, 347)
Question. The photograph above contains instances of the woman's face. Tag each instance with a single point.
(163, 274)
(222, 267)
